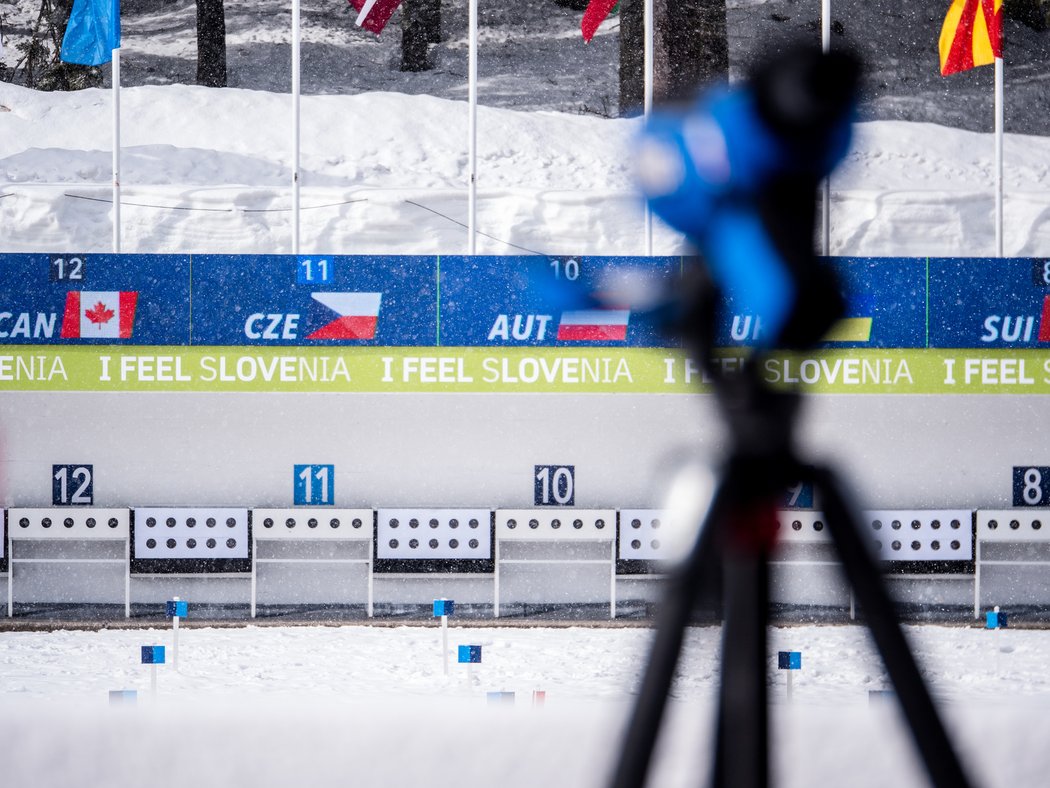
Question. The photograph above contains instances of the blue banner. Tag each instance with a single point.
(989, 303)
(94, 299)
(553, 301)
(318, 300)
(886, 307)
(429, 301)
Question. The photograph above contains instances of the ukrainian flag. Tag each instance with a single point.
(856, 326)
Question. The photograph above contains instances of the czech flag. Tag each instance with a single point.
(594, 325)
(99, 315)
(93, 32)
(972, 35)
(374, 14)
(358, 314)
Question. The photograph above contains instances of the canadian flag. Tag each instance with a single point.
(594, 325)
(96, 314)
(358, 315)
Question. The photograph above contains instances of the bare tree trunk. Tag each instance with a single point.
(420, 26)
(211, 43)
(691, 49)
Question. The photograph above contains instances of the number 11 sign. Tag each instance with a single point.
(314, 485)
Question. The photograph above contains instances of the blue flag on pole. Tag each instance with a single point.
(93, 32)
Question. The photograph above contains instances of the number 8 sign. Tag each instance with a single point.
(1031, 485)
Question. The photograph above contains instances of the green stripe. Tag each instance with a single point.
(507, 370)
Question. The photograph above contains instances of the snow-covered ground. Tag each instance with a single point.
(210, 171)
(370, 706)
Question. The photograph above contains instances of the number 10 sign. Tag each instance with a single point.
(314, 485)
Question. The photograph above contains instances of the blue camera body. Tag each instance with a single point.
(706, 173)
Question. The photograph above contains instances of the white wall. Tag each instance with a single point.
(480, 449)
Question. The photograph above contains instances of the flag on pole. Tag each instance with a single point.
(972, 35)
(597, 11)
(93, 32)
(374, 14)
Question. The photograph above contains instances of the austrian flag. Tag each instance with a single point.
(594, 325)
(358, 314)
(99, 314)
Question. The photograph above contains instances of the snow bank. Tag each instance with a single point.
(208, 170)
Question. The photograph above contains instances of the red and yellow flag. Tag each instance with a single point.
(972, 35)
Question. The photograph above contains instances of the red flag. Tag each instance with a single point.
(597, 11)
(374, 14)
(972, 35)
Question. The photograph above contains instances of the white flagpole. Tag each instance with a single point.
(472, 126)
(825, 203)
(295, 126)
(648, 106)
(998, 157)
(116, 151)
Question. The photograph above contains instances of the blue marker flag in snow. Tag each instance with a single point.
(444, 607)
(789, 660)
(180, 609)
(153, 655)
(93, 32)
(994, 619)
(117, 697)
(470, 654)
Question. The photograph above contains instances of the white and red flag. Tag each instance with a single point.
(358, 314)
(108, 314)
(594, 325)
(374, 14)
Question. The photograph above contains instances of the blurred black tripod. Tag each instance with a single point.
(738, 175)
(733, 547)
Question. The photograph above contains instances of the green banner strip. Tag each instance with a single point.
(510, 370)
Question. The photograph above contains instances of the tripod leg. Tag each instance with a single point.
(942, 762)
(681, 592)
(742, 753)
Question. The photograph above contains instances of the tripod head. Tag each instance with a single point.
(738, 174)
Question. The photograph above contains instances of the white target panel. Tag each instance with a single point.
(1013, 525)
(301, 524)
(68, 523)
(568, 525)
(797, 525)
(434, 540)
(176, 540)
(644, 544)
(922, 536)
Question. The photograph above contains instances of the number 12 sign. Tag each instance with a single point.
(314, 485)
(72, 485)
